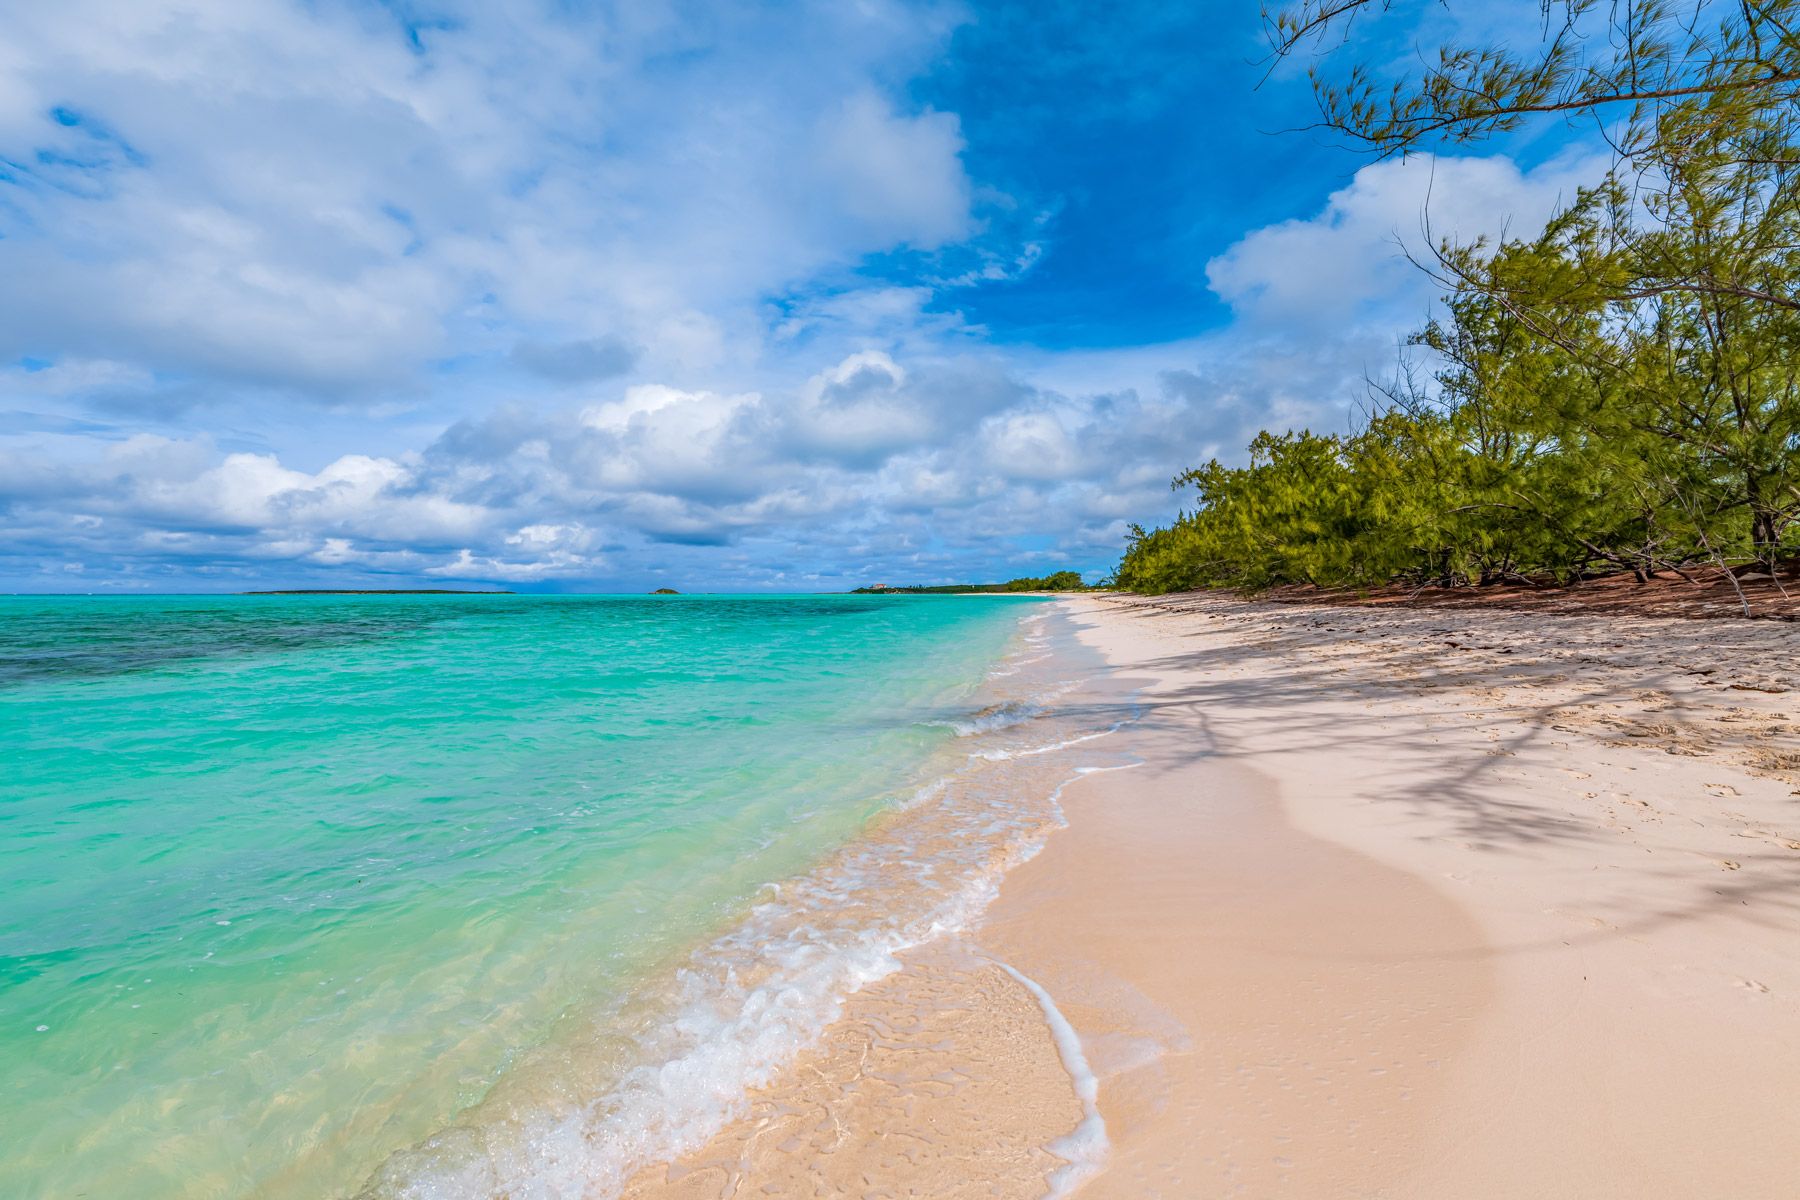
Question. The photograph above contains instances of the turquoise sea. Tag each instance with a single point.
(289, 883)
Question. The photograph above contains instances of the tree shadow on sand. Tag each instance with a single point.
(1469, 670)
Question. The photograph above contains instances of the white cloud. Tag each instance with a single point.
(1329, 269)
(870, 452)
(859, 411)
(901, 176)
(75, 377)
(293, 195)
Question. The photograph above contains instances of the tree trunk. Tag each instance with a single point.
(1763, 531)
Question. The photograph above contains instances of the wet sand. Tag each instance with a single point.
(1395, 903)
(1267, 1012)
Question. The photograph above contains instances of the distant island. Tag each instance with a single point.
(1061, 581)
(665, 592)
(376, 592)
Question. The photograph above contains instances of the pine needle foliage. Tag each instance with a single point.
(1581, 418)
(1618, 392)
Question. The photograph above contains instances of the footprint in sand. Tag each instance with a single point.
(1582, 918)
(1753, 985)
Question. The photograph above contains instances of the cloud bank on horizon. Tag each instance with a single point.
(719, 296)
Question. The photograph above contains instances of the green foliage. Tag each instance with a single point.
(1594, 408)
(1619, 392)
(1057, 581)
(1661, 73)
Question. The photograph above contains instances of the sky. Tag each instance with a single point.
(597, 297)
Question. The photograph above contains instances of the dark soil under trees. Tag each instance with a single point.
(1706, 592)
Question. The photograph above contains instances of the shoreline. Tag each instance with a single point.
(1388, 903)
(948, 1071)
(666, 1075)
(1269, 1011)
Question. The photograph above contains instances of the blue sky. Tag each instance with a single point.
(577, 296)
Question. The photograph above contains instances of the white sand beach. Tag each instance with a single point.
(1410, 903)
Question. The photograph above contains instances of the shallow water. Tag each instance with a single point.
(295, 887)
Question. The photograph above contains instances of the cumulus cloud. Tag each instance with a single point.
(870, 467)
(324, 199)
(900, 175)
(1328, 269)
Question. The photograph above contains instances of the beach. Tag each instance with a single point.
(1350, 902)
(887, 896)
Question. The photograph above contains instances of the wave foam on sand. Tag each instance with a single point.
(662, 1077)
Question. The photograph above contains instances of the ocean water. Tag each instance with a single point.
(460, 896)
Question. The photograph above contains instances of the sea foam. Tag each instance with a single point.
(745, 1004)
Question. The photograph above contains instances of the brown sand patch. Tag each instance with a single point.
(1699, 593)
